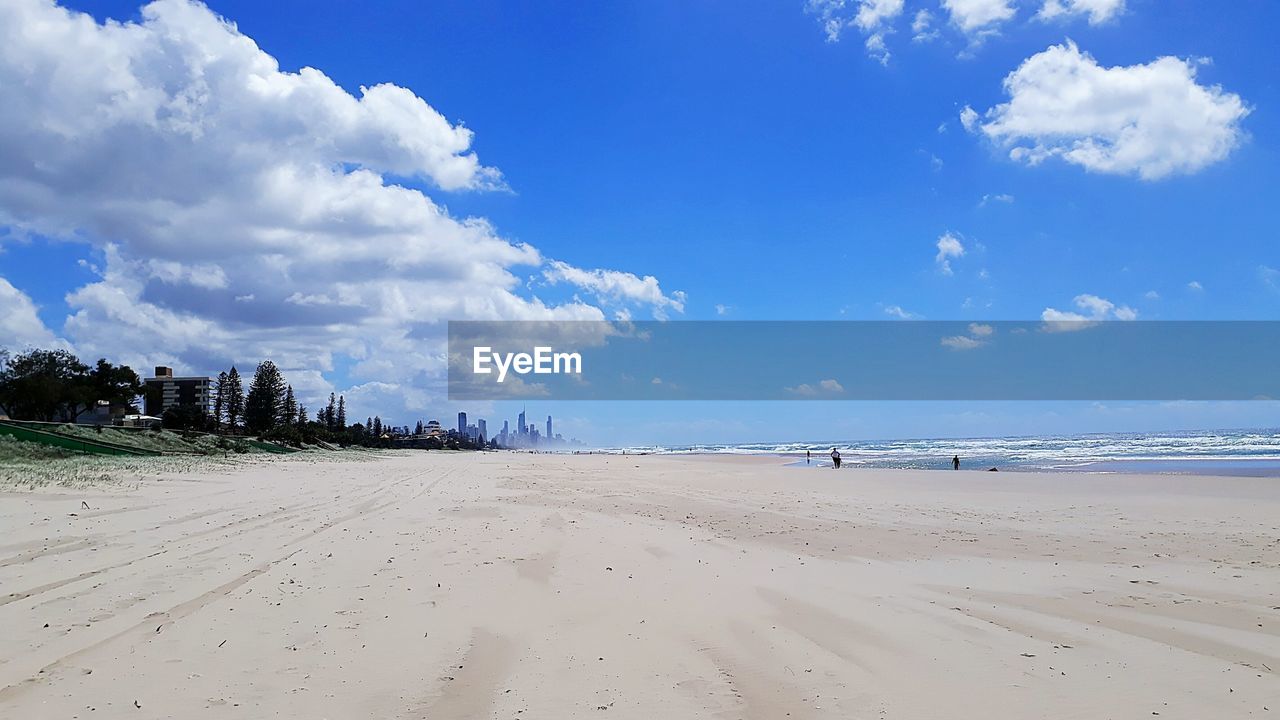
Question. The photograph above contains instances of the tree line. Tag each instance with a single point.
(55, 386)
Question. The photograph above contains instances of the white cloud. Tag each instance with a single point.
(824, 387)
(1150, 120)
(615, 285)
(1152, 295)
(722, 309)
(968, 118)
(922, 29)
(1095, 310)
(20, 326)
(978, 336)
(899, 313)
(1124, 312)
(1097, 307)
(974, 16)
(949, 246)
(873, 18)
(244, 211)
(1099, 11)
(961, 342)
(1195, 285)
(1005, 198)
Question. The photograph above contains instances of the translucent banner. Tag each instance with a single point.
(820, 360)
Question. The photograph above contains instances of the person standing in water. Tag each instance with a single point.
(807, 456)
(835, 458)
(955, 463)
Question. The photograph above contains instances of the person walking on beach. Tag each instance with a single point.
(955, 463)
(807, 456)
(835, 458)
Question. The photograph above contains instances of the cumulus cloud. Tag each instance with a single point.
(1093, 309)
(20, 326)
(896, 311)
(1152, 120)
(1195, 285)
(977, 16)
(1099, 11)
(616, 286)
(979, 335)
(949, 246)
(246, 211)
(961, 342)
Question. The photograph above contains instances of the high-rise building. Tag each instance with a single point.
(520, 426)
(484, 429)
(165, 391)
(462, 424)
(549, 435)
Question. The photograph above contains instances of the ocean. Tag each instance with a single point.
(1217, 452)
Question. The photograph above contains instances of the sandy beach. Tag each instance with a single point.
(501, 585)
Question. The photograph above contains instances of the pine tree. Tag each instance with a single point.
(235, 398)
(368, 427)
(377, 426)
(301, 419)
(418, 430)
(266, 397)
(289, 408)
(342, 413)
(330, 414)
(220, 389)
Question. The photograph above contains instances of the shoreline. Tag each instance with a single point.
(1186, 465)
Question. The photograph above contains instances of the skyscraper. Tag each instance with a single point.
(462, 424)
(520, 426)
(484, 429)
(549, 435)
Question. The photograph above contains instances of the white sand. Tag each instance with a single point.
(521, 586)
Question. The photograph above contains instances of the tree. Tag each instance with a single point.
(113, 384)
(289, 408)
(43, 385)
(377, 427)
(265, 399)
(418, 430)
(220, 391)
(342, 413)
(301, 419)
(235, 398)
(330, 414)
(185, 417)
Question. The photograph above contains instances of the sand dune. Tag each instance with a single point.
(543, 586)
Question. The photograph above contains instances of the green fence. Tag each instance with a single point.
(23, 431)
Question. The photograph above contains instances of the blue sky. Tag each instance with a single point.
(750, 164)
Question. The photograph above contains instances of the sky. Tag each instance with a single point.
(326, 184)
